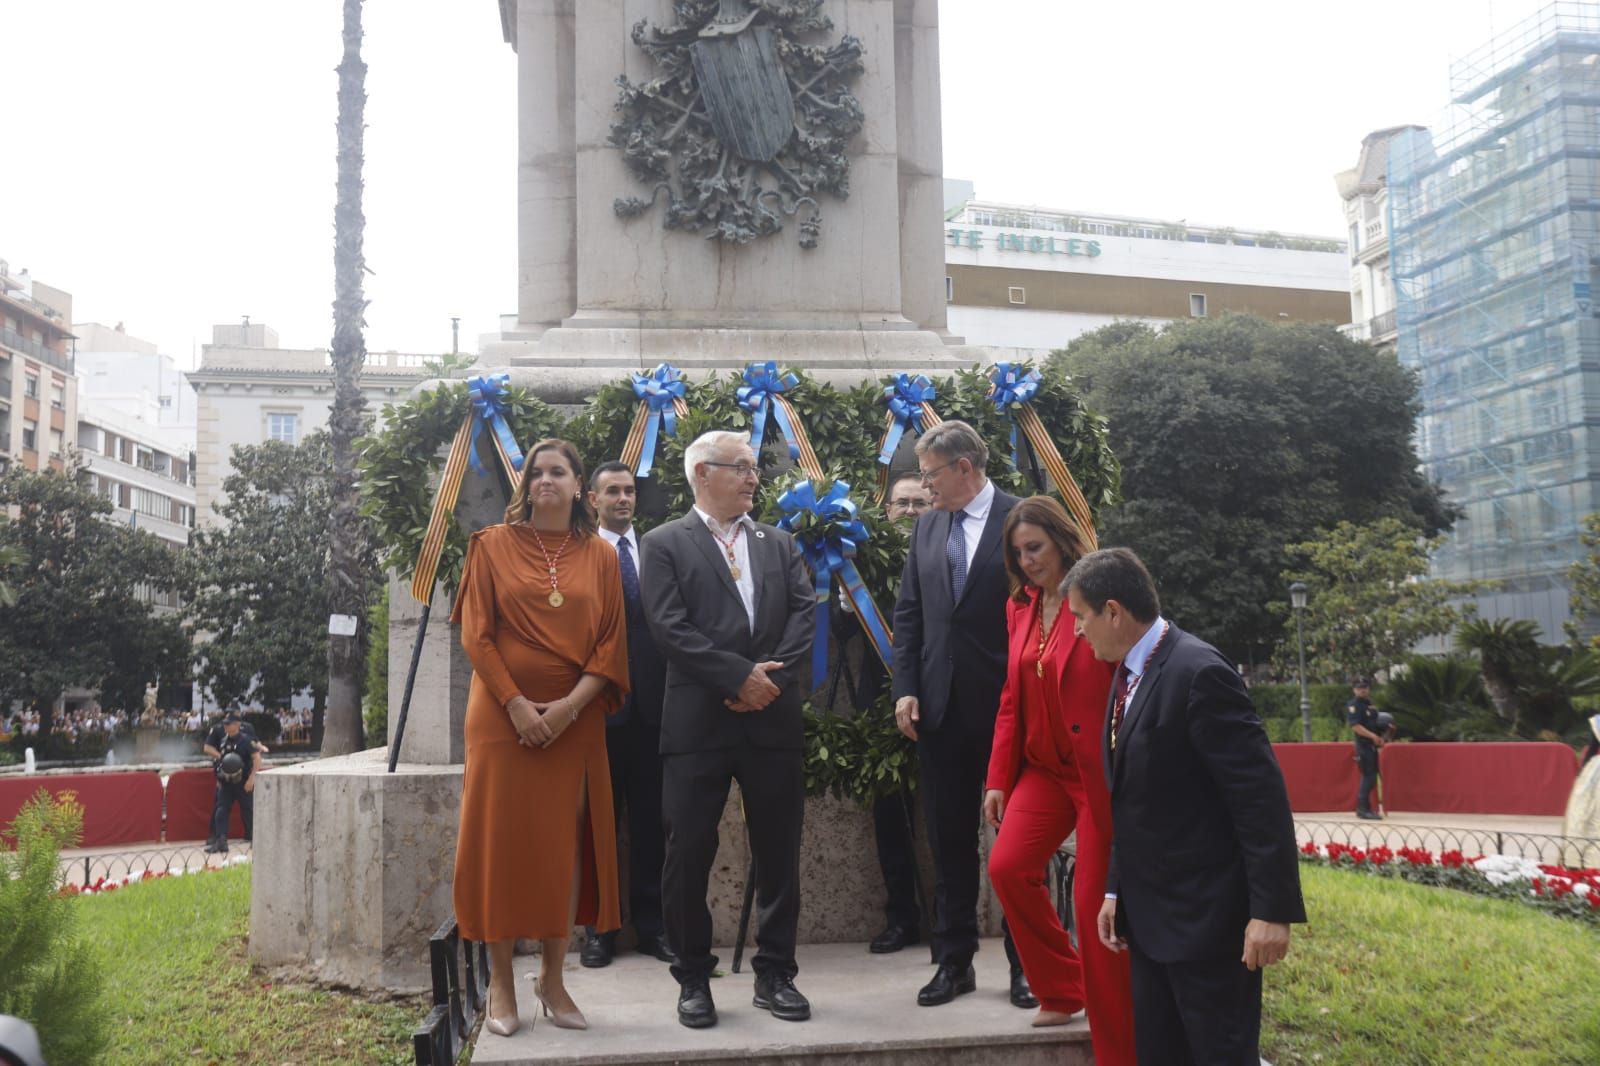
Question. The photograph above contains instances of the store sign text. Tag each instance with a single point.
(1019, 242)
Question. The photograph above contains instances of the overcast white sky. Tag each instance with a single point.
(171, 164)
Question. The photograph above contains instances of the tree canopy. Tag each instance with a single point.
(1238, 437)
(76, 617)
(259, 584)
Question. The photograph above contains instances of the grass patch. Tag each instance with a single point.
(1395, 973)
(180, 988)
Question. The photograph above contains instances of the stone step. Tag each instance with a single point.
(864, 1011)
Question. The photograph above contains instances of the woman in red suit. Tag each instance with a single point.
(1046, 779)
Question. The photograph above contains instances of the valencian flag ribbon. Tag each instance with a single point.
(829, 530)
(763, 393)
(489, 394)
(662, 402)
(1011, 390)
(910, 403)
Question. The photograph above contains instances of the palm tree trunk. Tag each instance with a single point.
(347, 534)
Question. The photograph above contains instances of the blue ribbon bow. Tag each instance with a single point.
(829, 531)
(762, 383)
(491, 402)
(904, 399)
(658, 390)
(1012, 385)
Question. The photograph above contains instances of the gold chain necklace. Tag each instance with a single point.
(1045, 629)
(556, 599)
(727, 546)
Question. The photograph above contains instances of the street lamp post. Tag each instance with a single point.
(1297, 600)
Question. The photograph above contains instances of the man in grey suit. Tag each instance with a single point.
(730, 605)
(949, 667)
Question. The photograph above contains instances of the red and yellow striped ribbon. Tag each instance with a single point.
(633, 447)
(444, 506)
(930, 417)
(808, 461)
(1056, 467)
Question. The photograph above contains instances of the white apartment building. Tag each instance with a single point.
(249, 390)
(1365, 192)
(38, 392)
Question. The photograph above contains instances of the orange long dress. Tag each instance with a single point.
(519, 832)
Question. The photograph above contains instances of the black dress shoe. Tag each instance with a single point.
(656, 946)
(949, 981)
(893, 939)
(597, 951)
(1369, 816)
(777, 993)
(1021, 995)
(695, 1008)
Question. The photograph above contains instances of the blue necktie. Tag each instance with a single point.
(630, 579)
(955, 553)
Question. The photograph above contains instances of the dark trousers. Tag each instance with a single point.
(693, 794)
(897, 858)
(1195, 1013)
(222, 809)
(1367, 760)
(953, 760)
(632, 748)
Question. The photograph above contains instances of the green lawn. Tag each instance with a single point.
(179, 987)
(1398, 974)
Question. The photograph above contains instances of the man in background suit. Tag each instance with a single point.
(1204, 878)
(730, 603)
(951, 612)
(633, 734)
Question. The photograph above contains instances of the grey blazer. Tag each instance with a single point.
(701, 629)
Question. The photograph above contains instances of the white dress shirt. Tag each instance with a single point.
(1139, 655)
(977, 514)
(745, 582)
(633, 545)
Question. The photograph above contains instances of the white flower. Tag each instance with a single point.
(1504, 869)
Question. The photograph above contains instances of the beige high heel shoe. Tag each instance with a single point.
(572, 1019)
(504, 1026)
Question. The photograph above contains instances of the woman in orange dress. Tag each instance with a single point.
(1046, 778)
(542, 620)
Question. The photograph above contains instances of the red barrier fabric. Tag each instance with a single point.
(191, 796)
(1478, 778)
(118, 808)
(1321, 777)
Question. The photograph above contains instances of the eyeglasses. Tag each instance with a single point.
(742, 470)
(926, 476)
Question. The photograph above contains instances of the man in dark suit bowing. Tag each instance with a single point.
(949, 667)
(730, 603)
(1204, 880)
(633, 734)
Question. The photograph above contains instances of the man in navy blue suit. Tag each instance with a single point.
(1204, 878)
(633, 734)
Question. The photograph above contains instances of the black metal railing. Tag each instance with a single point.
(84, 870)
(1549, 848)
(1381, 324)
(17, 342)
(460, 969)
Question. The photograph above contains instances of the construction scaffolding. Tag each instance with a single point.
(1494, 227)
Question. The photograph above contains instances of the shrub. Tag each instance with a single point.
(50, 977)
(266, 725)
(375, 699)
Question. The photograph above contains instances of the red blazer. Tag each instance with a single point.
(1085, 688)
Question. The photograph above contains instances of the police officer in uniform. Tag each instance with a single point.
(1369, 736)
(236, 780)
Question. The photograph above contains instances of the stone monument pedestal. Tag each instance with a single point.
(147, 744)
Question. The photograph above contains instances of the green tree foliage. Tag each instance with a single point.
(1439, 699)
(259, 586)
(1239, 437)
(1583, 579)
(76, 618)
(10, 560)
(1367, 605)
(1536, 690)
(375, 697)
(51, 977)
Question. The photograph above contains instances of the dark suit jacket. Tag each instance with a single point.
(701, 629)
(1204, 837)
(647, 671)
(933, 636)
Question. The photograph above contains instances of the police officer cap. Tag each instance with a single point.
(233, 716)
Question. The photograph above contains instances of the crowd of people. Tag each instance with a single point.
(93, 721)
(624, 676)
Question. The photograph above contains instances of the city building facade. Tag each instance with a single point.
(248, 391)
(1494, 230)
(38, 390)
(1365, 192)
(1031, 277)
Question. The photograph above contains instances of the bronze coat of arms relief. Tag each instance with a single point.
(745, 124)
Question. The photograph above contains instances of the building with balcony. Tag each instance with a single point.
(1365, 192)
(128, 375)
(1033, 277)
(249, 390)
(38, 392)
(1494, 234)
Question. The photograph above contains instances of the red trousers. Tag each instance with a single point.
(1041, 811)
